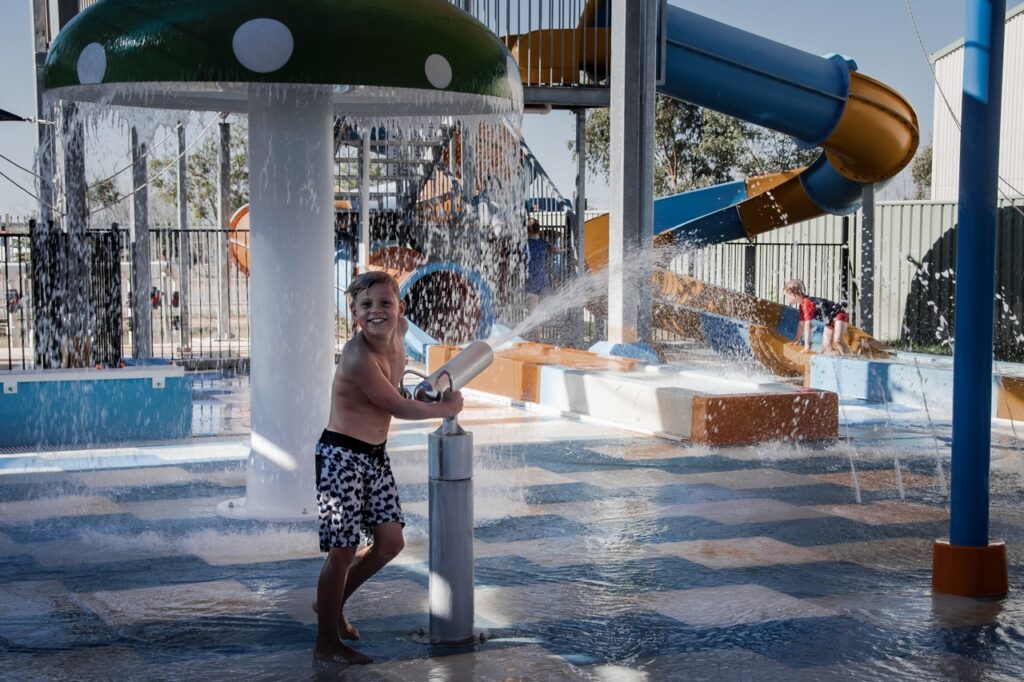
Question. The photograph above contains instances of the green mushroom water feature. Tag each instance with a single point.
(291, 67)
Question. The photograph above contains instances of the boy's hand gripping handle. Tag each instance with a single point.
(428, 392)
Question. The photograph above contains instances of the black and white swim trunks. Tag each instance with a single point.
(355, 489)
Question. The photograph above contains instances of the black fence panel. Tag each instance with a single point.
(105, 296)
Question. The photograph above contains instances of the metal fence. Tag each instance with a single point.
(916, 276)
(16, 337)
(211, 323)
(197, 298)
(762, 269)
(913, 278)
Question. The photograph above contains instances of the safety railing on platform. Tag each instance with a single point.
(555, 42)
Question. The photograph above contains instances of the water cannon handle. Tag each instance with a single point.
(451, 382)
(430, 393)
(424, 390)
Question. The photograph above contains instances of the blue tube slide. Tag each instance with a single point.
(766, 83)
(755, 79)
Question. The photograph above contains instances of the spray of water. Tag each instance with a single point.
(850, 451)
(590, 287)
(931, 427)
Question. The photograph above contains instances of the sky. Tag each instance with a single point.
(878, 34)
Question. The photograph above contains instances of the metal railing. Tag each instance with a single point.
(555, 42)
(216, 333)
(762, 269)
(204, 320)
(205, 317)
(16, 338)
(212, 324)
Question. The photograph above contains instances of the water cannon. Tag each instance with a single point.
(450, 502)
(454, 374)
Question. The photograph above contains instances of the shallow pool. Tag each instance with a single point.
(600, 554)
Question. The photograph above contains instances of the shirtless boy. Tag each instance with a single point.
(356, 490)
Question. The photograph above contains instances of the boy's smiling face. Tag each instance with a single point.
(377, 310)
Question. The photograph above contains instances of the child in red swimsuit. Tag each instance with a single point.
(836, 321)
(833, 314)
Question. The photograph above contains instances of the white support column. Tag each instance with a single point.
(576, 322)
(44, 112)
(184, 243)
(364, 203)
(224, 242)
(634, 31)
(291, 297)
(142, 324)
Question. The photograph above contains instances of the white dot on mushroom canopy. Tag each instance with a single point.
(92, 64)
(438, 70)
(263, 45)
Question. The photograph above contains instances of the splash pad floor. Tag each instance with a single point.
(600, 554)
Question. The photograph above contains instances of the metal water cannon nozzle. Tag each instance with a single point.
(456, 373)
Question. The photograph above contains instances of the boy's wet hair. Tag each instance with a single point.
(794, 286)
(532, 226)
(368, 279)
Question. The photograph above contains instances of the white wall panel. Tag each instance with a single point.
(949, 67)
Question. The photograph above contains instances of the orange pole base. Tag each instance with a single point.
(970, 571)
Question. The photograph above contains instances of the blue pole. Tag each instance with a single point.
(975, 272)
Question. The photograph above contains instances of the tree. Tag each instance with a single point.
(106, 203)
(202, 168)
(102, 194)
(695, 147)
(921, 172)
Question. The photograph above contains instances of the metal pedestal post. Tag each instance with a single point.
(451, 535)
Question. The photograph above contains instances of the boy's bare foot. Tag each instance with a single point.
(339, 653)
(345, 628)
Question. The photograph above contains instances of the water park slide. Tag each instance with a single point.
(868, 133)
(731, 323)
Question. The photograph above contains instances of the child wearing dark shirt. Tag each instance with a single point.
(538, 265)
(833, 314)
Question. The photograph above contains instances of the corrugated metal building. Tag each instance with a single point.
(949, 73)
